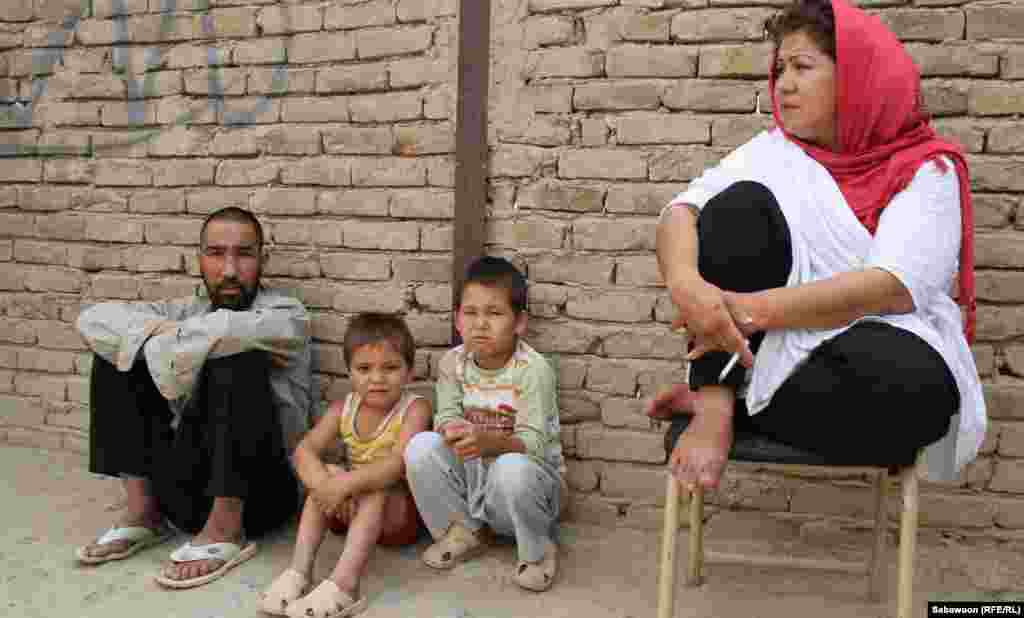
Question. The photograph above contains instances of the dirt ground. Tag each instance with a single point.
(51, 504)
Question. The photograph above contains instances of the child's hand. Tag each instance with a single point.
(347, 513)
(454, 429)
(330, 495)
(472, 443)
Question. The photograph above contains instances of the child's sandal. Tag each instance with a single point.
(288, 586)
(326, 601)
(459, 543)
(538, 576)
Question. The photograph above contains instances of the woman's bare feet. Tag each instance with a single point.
(224, 525)
(702, 451)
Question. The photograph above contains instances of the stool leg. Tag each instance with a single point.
(878, 552)
(696, 564)
(667, 567)
(908, 540)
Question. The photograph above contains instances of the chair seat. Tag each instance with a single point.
(757, 448)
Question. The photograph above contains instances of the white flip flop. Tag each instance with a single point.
(232, 554)
(140, 536)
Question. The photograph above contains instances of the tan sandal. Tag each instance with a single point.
(287, 587)
(458, 544)
(326, 601)
(538, 576)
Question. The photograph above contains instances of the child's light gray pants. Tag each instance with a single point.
(514, 494)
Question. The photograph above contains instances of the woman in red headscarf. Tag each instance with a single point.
(822, 255)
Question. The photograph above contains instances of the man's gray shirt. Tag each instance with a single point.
(276, 323)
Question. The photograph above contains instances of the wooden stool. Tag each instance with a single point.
(774, 455)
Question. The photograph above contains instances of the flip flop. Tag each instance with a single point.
(140, 536)
(232, 554)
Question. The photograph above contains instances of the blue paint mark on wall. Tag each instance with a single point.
(18, 112)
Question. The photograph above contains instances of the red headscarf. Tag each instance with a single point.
(882, 137)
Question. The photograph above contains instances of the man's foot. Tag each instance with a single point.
(702, 451)
(226, 555)
(678, 399)
(223, 526)
(98, 551)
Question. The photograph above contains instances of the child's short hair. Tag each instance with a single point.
(373, 328)
(499, 273)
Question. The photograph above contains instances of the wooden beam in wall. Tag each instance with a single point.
(471, 154)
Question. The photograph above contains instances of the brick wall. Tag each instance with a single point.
(125, 121)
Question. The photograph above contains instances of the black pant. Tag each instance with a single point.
(228, 443)
(873, 394)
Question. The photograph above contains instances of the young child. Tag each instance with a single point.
(496, 458)
(376, 421)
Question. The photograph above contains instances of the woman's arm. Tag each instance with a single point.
(677, 244)
(905, 268)
(702, 307)
(829, 303)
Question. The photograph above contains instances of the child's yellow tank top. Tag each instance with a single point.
(365, 449)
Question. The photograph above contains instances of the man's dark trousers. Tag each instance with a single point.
(228, 442)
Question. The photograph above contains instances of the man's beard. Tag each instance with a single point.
(235, 302)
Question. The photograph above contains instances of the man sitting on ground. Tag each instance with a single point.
(196, 404)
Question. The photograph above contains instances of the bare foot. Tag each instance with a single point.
(223, 526)
(702, 451)
(676, 400)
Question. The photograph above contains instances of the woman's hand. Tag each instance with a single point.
(704, 311)
(744, 309)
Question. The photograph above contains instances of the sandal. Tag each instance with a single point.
(326, 601)
(140, 536)
(289, 586)
(232, 554)
(538, 576)
(459, 543)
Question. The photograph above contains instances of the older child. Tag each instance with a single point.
(496, 458)
(376, 421)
